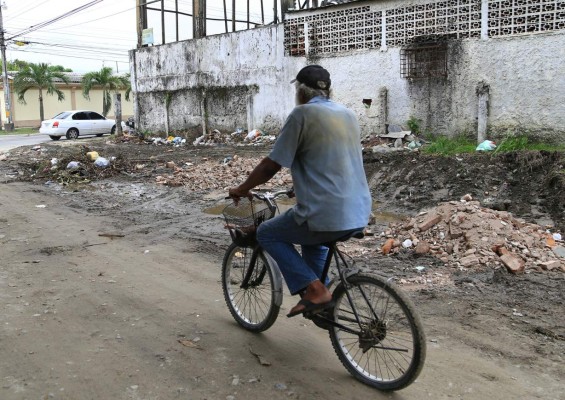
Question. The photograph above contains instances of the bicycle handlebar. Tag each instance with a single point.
(268, 197)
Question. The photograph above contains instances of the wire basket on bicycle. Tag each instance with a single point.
(243, 218)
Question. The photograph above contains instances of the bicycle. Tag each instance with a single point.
(373, 327)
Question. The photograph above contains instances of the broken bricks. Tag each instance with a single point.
(464, 234)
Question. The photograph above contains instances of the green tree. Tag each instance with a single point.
(61, 68)
(40, 76)
(126, 84)
(105, 79)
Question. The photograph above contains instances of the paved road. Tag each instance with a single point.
(9, 142)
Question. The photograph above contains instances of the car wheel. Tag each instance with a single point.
(72, 133)
(113, 130)
(55, 137)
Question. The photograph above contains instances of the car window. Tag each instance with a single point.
(80, 116)
(62, 115)
(94, 115)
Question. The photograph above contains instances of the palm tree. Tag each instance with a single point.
(41, 76)
(126, 84)
(109, 83)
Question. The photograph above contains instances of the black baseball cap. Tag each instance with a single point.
(314, 76)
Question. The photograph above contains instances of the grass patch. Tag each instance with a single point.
(20, 131)
(449, 146)
(523, 143)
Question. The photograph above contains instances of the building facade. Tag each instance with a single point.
(452, 65)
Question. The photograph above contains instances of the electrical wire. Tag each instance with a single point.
(68, 56)
(31, 7)
(56, 19)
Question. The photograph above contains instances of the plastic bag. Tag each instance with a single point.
(73, 165)
(487, 145)
(102, 162)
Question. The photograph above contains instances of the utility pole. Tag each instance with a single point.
(198, 19)
(8, 124)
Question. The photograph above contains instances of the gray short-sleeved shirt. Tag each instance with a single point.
(320, 143)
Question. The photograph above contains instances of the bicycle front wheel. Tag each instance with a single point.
(380, 341)
(248, 285)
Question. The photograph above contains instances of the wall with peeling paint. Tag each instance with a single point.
(242, 80)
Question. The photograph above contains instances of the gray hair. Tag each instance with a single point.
(307, 93)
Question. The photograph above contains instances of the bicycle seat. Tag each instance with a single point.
(355, 234)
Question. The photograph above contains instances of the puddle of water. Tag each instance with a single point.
(216, 210)
(284, 204)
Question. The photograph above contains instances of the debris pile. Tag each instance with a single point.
(239, 138)
(465, 235)
(176, 141)
(82, 166)
(396, 139)
(213, 175)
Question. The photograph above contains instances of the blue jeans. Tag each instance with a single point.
(278, 236)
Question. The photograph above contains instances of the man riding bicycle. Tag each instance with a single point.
(320, 143)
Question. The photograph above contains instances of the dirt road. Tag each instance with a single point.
(85, 316)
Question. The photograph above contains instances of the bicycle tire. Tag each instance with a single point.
(254, 308)
(390, 351)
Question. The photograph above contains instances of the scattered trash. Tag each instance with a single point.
(414, 145)
(238, 138)
(420, 268)
(467, 197)
(261, 359)
(73, 165)
(92, 155)
(487, 145)
(189, 343)
(407, 243)
(54, 161)
(254, 134)
(111, 235)
(557, 236)
(40, 206)
(102, 162)
(280, 386)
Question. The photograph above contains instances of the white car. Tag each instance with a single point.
(73, 124)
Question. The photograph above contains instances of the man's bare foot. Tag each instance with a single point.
(316, 293)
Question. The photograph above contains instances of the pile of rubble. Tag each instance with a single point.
(239, 138)
(397, 139)
(465, 235)
(214, 175)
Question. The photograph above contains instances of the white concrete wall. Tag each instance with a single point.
(526, 75)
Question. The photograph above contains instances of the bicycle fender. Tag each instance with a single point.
(277, 278)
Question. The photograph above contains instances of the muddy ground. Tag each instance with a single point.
(86, 316)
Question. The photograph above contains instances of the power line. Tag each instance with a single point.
(68, 56)
(105, 50)
(97, 19)
(28, 9)
(53, 20)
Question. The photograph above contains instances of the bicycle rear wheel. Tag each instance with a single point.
(253, 306)
(388, 349)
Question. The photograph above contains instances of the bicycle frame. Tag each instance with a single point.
(335, 254)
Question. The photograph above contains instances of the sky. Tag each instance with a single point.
(102, 34)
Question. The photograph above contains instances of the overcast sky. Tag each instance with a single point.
(102, 34)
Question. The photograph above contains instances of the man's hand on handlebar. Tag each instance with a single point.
(237, 193)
